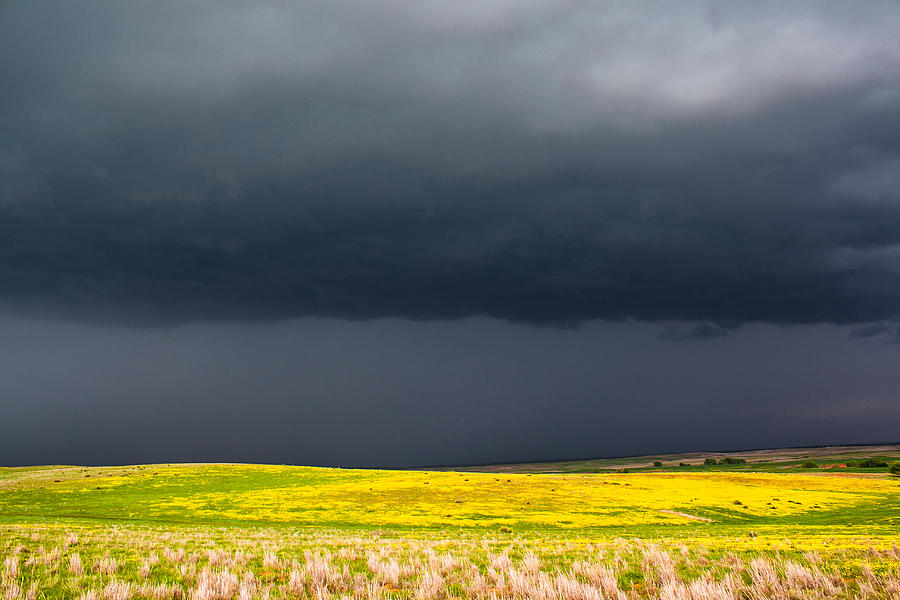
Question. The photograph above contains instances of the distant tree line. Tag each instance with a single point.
(728, 460)
(866, 463)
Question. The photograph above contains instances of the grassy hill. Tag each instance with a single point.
(258, 532)
(271, 495)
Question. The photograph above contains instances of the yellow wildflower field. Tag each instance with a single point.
(401, 499)
(217, 531)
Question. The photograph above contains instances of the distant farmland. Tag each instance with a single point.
(769, 460)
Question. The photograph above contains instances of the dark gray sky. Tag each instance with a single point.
(387, 233)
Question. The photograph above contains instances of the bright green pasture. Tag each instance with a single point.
(642, 504)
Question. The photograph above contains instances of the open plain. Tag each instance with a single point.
(221, 531)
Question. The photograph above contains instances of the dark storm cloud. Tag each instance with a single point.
(545, 162)
(870, 330)
(883, 331)
(676, 332)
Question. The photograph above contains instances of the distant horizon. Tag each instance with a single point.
(672, 453)
(486, 464)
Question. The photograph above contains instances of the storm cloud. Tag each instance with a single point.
(547, 162)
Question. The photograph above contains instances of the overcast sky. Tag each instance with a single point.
(391, 233)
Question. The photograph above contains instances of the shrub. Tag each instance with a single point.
(657, 463)
(871, 463)
(808, 464)
(683, 464)
(895, 469)
(728, 460)
(710, 461)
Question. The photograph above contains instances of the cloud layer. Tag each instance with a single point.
(544, 162)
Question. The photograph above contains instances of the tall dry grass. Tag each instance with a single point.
(348, 567)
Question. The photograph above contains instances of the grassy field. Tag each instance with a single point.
(261, 531)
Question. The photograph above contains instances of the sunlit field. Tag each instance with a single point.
(256, 531)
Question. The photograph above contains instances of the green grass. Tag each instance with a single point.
(163, 531)
(609, 503)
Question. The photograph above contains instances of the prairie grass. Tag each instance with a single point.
(250, 495)
(217, 532)
(229, 563)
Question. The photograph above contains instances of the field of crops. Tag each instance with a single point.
(255, 531)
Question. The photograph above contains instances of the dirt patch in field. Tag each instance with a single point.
(685, 515)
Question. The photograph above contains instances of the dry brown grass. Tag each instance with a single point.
(330, 566)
